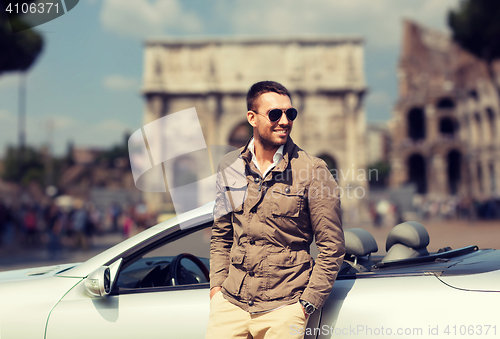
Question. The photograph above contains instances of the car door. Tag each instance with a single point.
(141, 304)
(172, 313)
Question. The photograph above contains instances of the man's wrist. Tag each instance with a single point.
(308, 307)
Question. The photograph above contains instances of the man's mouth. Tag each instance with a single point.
(281, 131)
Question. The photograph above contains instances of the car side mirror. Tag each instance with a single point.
(98, 283)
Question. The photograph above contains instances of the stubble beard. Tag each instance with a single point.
(270, 145)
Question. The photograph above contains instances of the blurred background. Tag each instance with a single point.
(400, 98)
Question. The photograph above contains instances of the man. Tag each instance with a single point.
(272, 199)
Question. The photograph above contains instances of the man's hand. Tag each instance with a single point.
(303, 309)
(214, 290)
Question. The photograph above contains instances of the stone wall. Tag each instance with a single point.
(446, 120)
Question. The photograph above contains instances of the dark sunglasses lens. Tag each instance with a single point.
(275, 114)
(291, 114)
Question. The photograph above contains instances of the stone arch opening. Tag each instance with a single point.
(491, 122)
(493, 181)
(448, 126)
(332, 165)
(240, 134)
(473, 94)
(480, 177)
(445, 103)
(454, 170)
(479, 132)
(416, 124)
(417, 172)
(467, 127)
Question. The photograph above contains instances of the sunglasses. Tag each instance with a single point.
(276, 113)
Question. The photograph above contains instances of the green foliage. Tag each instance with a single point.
(23, 167)
(115, 152)
(18, 51)
(378, 174)
(476, 27)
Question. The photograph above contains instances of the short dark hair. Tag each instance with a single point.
(262, 87)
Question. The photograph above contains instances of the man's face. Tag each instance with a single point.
(271, 134)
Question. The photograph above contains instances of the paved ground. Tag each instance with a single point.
(455, 234)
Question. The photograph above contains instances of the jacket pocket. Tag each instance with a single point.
(235, 194)
(288, 274)
(236, 274)
(286, 201)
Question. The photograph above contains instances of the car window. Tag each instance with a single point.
(189, 254)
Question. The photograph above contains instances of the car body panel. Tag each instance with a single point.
(25, 305)
(171, 313)
(412, 302)
(481, 282)
(34, 273)
(427, 294)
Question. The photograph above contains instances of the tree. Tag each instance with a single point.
(476, 28)
(19, 50)
(22, 170)
(378, 174)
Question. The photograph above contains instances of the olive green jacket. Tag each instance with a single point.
(264, 226)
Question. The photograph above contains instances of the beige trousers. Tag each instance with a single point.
(228, 321)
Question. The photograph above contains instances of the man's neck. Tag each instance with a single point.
(264, 153)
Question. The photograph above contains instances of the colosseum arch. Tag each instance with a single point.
(445, 103)
(454, 162)
(492, 123)
(448, 126)
(479, 129)
(417, 172)
(416, 124)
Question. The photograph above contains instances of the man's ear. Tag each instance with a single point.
(251, 118)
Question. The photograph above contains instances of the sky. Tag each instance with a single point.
(85, 87)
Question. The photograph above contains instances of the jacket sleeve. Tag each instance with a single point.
(326, 223)
(222, 235)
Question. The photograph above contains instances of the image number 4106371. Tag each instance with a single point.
(26, 14)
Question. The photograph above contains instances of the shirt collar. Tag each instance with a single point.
(277, 156)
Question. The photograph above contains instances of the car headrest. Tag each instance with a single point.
(359, 242)
(409, 233)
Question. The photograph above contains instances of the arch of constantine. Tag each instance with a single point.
(325, 76)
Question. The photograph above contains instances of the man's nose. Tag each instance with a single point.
(283, 119)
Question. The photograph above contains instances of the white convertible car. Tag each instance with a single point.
(148, 287)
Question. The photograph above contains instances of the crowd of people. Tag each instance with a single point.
(386, 212)
(456, 208)
(54, 226)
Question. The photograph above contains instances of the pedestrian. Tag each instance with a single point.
(30, 226)
(54, 222)
(272, 200)
(79, 221)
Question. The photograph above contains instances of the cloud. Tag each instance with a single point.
(383, 74)
(142, 18)
(112, 125)
(378, 21)
(379, 99)
(9, 81)
(116, 82)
